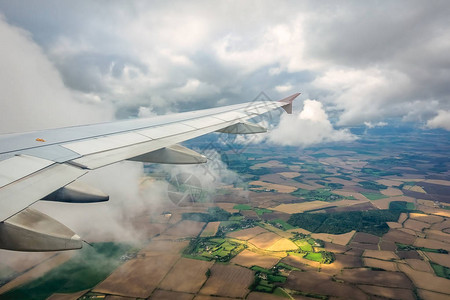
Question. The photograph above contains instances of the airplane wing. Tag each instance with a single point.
(46, 164)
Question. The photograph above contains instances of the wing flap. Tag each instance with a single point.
(21, 193)
(19, 166)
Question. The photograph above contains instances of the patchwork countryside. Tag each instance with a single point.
(361, 220)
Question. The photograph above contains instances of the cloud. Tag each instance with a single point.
(311, 126)
(363, 61)
(32, 94)
(442, 120)
(373, 125)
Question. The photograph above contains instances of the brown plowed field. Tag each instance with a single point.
(188, 275)
(168, 295)
(426, 218)
(166, 246)
(228, 281)
(185, 228)
(340, 239)
(428, 295)
(366, 238)
(246, 234)
(399, 236)
(138, 277)
(380, 278)
(415, 225)
(439, 258)
(419, 265)
(384, 255)
(390, 293)
(382, 264)
(433, 244)
(262, 296)
(73, 296)
(248, 259)
(426, 280)
(210, 229)
(318, 283)
(265, 240)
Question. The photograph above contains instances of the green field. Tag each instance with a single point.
(266, 280)
(261, 211)
(219, 249)
(371, 185)
(87, 268)
(303, 245)
(440, 271)
(242, 207)
(371, 221)
(319, 194)
(406, 247)
(314, 256)
(374, 196)
(281, 224)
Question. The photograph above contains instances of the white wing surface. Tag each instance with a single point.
(45, 164)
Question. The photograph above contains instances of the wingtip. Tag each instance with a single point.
(290, 98)
(288, 102)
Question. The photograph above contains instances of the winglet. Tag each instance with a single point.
(288, 100)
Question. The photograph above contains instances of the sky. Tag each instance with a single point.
(365, 62)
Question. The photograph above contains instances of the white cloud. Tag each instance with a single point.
(442, 120)
(311, 126)
(373, 125)
(32, 93)
(284, 88)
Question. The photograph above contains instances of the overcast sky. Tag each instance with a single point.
(366, 62)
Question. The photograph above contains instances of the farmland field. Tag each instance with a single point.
(228, 281)
(187, 275)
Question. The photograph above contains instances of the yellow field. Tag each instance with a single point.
(282, 245)
(265, 240)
